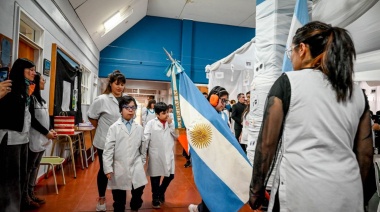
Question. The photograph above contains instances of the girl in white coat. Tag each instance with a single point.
(148, 113)
(103, 112)
(159, 134)
(39, 138)
(124, 157)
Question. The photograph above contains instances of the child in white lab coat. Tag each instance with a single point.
(124, 157)
(159, 134)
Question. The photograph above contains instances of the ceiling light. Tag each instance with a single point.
(115, 20)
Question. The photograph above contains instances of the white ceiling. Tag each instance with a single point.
(93, 13)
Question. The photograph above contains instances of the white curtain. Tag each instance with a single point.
(340, 12)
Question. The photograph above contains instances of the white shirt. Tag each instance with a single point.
(105, 109)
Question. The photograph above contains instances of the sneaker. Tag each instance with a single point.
(156, 204)
(161, 198)
(99, 206)
(187, 164)
(193, 208)
(36, 199)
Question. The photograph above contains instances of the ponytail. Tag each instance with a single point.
(337, 62)
(333, 53)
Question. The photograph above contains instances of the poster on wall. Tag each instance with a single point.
(46, 67)
(5, 51)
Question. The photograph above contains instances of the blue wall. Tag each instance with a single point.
(139, 55)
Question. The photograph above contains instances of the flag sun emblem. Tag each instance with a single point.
(201, 135)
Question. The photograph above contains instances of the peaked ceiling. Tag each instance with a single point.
(93, 13)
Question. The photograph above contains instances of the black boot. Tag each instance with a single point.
(187, 164)
(28, 204)
(36, 199)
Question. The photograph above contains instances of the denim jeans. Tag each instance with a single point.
(34, 159)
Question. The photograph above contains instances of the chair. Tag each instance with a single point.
(52, 162)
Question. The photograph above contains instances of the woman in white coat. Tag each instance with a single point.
(148, 113)
(124, 157)
(103, 112)
(322, 119)
(39, 138)
(159, 134)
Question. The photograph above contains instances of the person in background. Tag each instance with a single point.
(103, 112)
(144, 109)
(218, 104)
(148, 113)
(14, 131)
(124, 157)
(320, 120)
(159, 135)
(39, 138)
(5, 88)
(237, 112)
(247, 126)
(205, 94)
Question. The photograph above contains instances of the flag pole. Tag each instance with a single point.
(170, 57)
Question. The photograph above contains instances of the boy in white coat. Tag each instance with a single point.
(124, 157)
(160, 135)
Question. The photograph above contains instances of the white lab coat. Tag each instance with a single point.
(125, 155)
(147, 115)
(105, 109)
(160, 143)
(37, 141)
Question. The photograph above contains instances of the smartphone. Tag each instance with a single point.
(4, 74)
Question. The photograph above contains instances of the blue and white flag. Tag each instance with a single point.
(222, 172)
(171, 71)
(300, 18)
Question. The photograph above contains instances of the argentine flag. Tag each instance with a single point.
(300, 18)
(222, 172)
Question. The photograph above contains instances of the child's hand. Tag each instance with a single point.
(169, 120)
(109, 175)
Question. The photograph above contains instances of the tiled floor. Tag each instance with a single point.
(80, 194)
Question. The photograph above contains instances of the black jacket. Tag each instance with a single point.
(12, 112)
(237, 112)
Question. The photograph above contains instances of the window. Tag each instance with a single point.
(96, 88)
(30, 39)
(86, 86)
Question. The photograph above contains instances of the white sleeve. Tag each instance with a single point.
(94, 110)
(109, 150)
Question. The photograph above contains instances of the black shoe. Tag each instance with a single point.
(161, 198)
(29, 204)
(187, 164)
(36, 199)
(156, 203)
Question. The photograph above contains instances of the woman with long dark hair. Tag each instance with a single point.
(322, 121)
(39, 136)
(103, 112)
(14, 130)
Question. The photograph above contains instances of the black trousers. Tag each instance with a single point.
(13, 164)
(34, 159)
(102, 179)
(120, 199)
(157, 189)
(202, 207)
(237, 135)
(184, 153)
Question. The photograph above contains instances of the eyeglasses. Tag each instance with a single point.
(289, 51)
(129, 107)
(224, 101)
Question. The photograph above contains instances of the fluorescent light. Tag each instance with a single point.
(112, 22)
(115, 20)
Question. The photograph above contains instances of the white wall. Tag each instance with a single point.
(64, 29)
(373, 95)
